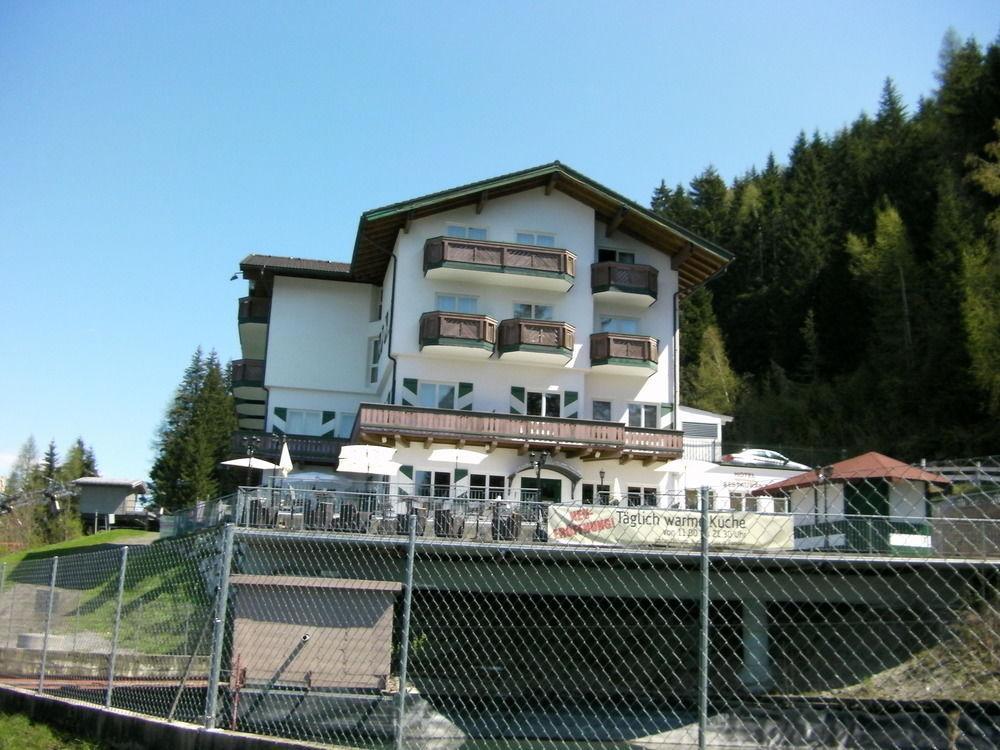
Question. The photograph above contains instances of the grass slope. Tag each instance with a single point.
(74, 546)
(18, 732)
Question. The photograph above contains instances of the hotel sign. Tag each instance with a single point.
(574, 524)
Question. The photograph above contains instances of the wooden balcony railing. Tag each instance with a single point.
(623, 277)
(499, 257)
(577, 437)
(623, 349)
(301, 448)
(248, 372)
(457, 329)
(536, 335)
(254, 310)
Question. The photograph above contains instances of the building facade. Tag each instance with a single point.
(517, 335)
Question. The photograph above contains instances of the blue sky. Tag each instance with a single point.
(145, 148)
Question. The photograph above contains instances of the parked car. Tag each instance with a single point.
(761, 457)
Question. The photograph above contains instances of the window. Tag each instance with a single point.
(536, 238)
(602, 411)
(543, 404)
(532, 311)
(692, 499)
(469, 233)
(457, 303)
(642, 496)
(486, 486)
(436, 395)
(611, 324)
(304, 422)
(615, 256)
(374, 354)
(432, 483)
(601, 493)
(643, 415)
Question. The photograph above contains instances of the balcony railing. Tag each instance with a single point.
(254, 310)
(577, 437)
(498, 257)
(622, 349)
(623, 277)
(517, 334)
(301, 448)
(248, 372)
(457, 329)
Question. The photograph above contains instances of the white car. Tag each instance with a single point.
(761, 457)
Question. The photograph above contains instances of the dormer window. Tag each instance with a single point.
(541, 239)
(465, 232)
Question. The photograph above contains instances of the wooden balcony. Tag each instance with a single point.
(575, 438)
(624, 283)
(508, 264)
(536, 341)
(253, 317)
(254, 310)
(302, 448)
(623, 353)
(248, 379)
(458, 334)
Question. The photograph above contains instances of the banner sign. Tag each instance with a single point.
(638, 526)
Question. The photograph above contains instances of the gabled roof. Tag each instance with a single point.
(869, 465)
(696, 259)
(110, 482)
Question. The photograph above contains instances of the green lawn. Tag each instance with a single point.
(18, 732)
(74, 546)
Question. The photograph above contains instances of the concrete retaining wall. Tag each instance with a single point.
(18, 662)
(129, 731)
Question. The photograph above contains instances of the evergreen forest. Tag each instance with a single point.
(862, 311)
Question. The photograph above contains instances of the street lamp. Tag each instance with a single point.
(824, 477)
(601, 498)
(538, 459)
(252, 443)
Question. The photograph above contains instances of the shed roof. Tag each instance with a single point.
(871, 465)
(110, 482)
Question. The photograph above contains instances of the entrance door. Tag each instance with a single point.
(867, 498)
(551, 490)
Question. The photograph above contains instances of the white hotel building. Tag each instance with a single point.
(532, 314)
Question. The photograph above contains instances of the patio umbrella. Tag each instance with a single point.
(285, 462)
(368, 459)
(250, 463)
(616, 492)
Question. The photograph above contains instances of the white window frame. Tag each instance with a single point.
(437, 397)
(545, 400)
(618, 254)
(374, 359)
(458, 298)
(521, 235)
(314, 415)
(643, 415)
(593, 405)
(644, 492)
(534, 310)
(466, 228)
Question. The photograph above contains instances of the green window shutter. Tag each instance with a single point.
(409, 392)
(281, 413)
(461, 474)
(406, 471)
(517, 395)
(329, 416)
(464, 401)
(571, 406)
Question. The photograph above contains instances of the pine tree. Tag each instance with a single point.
(26, 473)
(50, 463)
(80, 462)
(194, 436)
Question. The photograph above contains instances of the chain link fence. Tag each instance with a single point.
(863, 614)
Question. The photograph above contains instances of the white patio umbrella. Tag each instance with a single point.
(457, 456)
(251, 463)
(368, 459)
(616, 492)
(285, 462)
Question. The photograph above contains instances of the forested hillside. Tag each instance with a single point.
(863, 308)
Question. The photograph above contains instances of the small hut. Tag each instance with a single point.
(869, 503)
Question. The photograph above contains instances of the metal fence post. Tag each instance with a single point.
(219, 629)
(48, 624)
(404, 648)
(3, 581)
(703, 626)
(114, 633)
